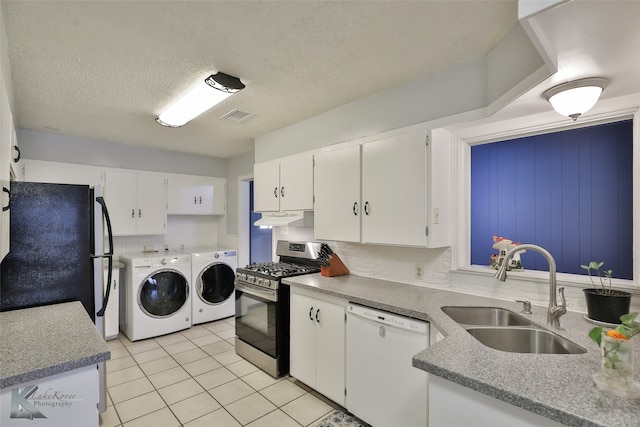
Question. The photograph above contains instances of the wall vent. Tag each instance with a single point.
(236, 116)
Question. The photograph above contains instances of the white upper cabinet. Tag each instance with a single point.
(16, 156)
(401, 199)
(136, 201)
(196, 195)
(62, 173)
(266, 186)
(6, 160)
(284, 185)
(337, 194)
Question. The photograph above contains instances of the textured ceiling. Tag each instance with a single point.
(105, 69)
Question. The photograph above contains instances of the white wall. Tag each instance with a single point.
(238, 166)
(67, 149)
(456, 90)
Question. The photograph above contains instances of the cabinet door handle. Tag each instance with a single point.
(195, 199)
(133, 213)
(139, 213)
(275, 192)
(282, 191)
(355, 208)
(114, 284)
(6, 208)
(16, 159)
(366, 208)
(318, 315)
(310, 311)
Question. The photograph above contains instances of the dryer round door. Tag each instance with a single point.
(215, 283)
(163, 293)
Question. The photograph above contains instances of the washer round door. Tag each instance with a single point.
(163, 293)
(215, 283)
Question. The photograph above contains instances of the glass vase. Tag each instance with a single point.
(616, 374)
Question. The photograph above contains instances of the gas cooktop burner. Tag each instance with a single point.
(280, 269)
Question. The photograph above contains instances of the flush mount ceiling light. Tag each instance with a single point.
(209, 92)
(574, 98)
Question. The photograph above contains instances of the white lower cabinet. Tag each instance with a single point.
(451, 404)
(317, 355)
(112, 313)
(67, 399)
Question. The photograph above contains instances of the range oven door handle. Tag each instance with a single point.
(265, 294)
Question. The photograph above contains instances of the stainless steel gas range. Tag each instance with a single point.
(262, 305)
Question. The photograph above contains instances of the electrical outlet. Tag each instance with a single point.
(284, 230)
(418, 271)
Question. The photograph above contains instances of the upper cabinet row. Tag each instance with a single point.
(391, 191)
(138, 201)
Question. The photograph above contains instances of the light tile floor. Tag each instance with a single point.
(194, 378)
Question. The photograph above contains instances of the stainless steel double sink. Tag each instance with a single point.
(505, 330)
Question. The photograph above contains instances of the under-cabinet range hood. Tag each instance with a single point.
(286, 219)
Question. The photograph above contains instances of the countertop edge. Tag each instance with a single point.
(49, 371)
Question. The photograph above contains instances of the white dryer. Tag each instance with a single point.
(213, 273)
(155, 298)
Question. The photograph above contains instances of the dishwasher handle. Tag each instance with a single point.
(386, 318)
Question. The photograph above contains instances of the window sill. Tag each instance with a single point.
(562, 279)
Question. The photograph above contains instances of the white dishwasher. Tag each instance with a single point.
(383, 389)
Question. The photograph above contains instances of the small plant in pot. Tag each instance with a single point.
(604, 304)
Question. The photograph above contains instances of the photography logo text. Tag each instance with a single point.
(27, 402)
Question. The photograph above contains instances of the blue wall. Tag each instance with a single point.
(260, 238)
(569, 192)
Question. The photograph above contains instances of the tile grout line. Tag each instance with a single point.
(190, 376)
(156, 390)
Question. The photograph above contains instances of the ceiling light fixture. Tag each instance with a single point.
(574, 98)
(199, 99)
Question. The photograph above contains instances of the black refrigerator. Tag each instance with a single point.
(57, 250)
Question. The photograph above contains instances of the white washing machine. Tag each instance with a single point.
(155, 298)
(213, 273)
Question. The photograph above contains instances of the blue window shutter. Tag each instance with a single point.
(569, 192)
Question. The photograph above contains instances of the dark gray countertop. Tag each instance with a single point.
(558, 387)
(43, 341)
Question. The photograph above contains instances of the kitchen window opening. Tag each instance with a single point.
(570, 192)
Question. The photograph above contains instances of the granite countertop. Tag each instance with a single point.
(43, 341)
(558, 387)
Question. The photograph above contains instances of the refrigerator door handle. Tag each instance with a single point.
(6, 208)
(108, 255)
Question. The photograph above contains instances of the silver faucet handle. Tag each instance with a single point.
(563, 307)
(554, 314)
(526, 306)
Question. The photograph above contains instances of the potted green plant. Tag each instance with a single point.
(616, 374)
(604, 304)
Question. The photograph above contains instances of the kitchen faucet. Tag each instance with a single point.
(554, 311)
